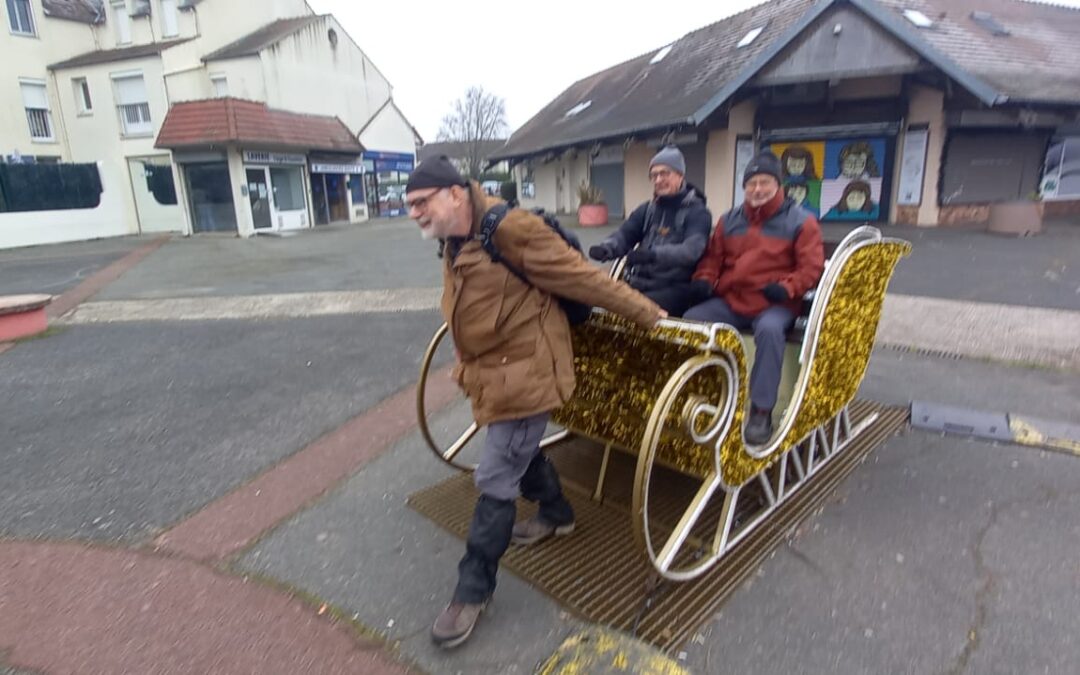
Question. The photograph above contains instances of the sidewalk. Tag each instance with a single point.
(158, 614)
(227, 382)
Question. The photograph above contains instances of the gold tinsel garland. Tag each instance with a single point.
(621, 371)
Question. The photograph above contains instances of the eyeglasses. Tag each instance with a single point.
(420, 203)
(659, 174)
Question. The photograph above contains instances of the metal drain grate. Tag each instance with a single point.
(598, 572)
(924, 351)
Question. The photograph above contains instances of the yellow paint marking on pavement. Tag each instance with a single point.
(1026, 433)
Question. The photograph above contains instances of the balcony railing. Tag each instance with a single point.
(135, 119)
(40, 126)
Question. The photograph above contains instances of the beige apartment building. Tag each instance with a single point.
(199, 116)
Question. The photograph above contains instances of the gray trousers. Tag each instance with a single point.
(770, 334)
(511, 464)
(508, 449)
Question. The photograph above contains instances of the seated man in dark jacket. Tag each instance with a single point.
(670, 231)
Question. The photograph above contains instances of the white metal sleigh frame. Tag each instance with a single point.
(676, 397)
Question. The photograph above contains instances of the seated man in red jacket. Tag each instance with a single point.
(762, 257)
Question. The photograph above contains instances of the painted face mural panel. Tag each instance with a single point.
(801, 165)
(851, 189)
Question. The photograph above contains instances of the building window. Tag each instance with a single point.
(82, 95)
(36, 102)
(133, 105)
(170, 26)
(984, 167)
(220, 84)
(123, 21)
(1061, 170)
(21, 17)
(288, 185)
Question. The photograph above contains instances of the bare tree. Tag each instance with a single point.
(477, 119)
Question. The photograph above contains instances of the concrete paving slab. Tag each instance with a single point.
(1028, 335)
(381, 256)
(897, 378)
(365, 551)
(962, 264)
(112, 432)
(286, 305)
(938, 555)
(55, 269)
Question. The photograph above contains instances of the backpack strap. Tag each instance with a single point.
(488, 224)
(684, 209)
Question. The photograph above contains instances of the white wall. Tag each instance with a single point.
(389, 132)
(29, 57)
(221, 22)
(244, 77)
(49, 227)
(545, 176)
(153, 215)
(304, 73)
(97, 136)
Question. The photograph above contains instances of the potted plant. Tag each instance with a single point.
(1021, 217)
(592, 211)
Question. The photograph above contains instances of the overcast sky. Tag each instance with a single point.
(433, 51)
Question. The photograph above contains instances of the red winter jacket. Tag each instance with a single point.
(778, 242)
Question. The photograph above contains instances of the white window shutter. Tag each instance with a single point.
(130, 90)
(34, 96)
(169, 20)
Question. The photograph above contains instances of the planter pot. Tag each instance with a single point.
(1018, 219)
(592, 215)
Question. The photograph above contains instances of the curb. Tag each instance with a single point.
(994, 426)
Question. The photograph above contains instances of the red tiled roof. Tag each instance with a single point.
(224, 121)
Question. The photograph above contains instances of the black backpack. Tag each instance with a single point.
(576, 312)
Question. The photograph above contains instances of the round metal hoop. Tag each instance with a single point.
(450, 454)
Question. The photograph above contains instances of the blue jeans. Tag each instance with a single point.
(770, 334)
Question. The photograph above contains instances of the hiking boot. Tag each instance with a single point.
(533, 530)
(455, 624)
(759, 428)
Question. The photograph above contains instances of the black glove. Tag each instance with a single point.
(701, 290)
(640, 257)
(776, 294)
(601, 253)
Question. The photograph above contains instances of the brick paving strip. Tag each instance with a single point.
(74, 297)
(70, 608)
(233, 522)
(67, 607)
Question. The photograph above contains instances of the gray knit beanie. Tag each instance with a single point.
(670, 156)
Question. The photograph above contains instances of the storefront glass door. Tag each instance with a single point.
(290, 201)
(259, 198)
(210, 194)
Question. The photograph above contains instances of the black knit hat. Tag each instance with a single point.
(763, 162)
(434, 172)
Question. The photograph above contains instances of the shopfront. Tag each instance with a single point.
(206, 184)
(385, 177)
(337, 189)
(261, 183)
